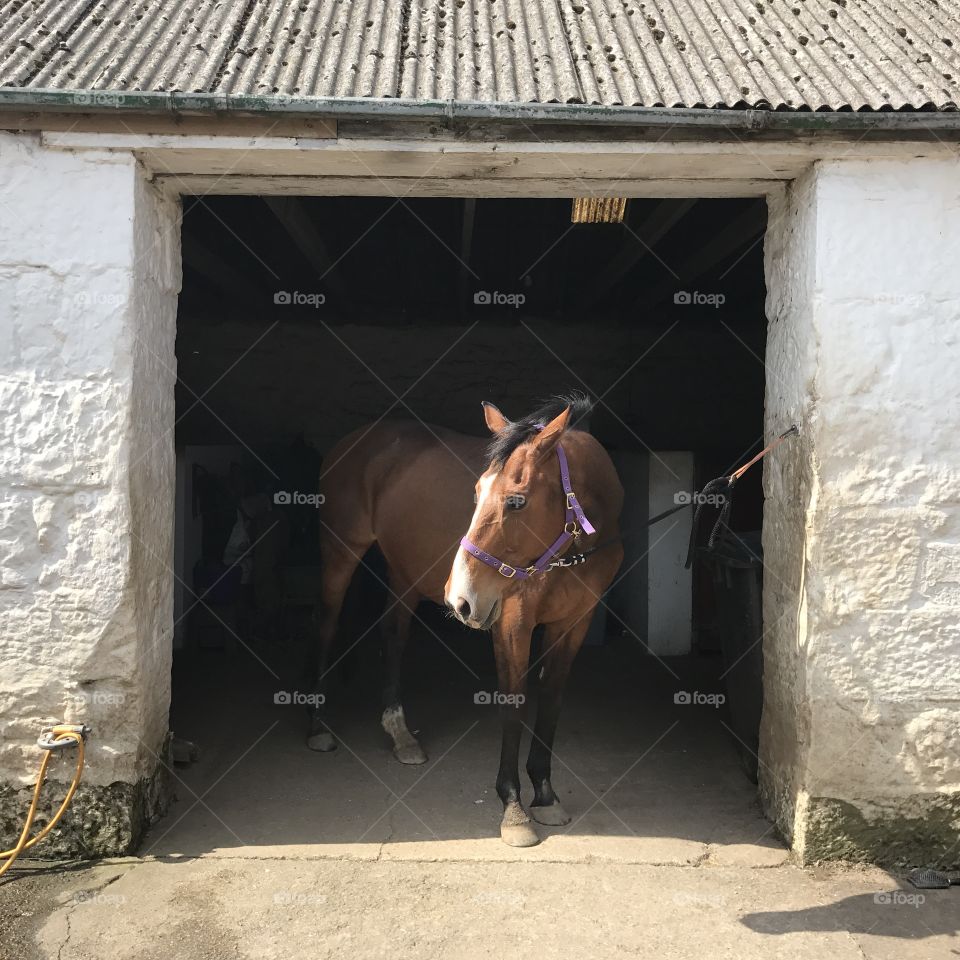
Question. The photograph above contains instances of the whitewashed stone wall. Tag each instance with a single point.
(89, 274)
(862, 527)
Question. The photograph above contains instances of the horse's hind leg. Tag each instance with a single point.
(396, 630)
(339, 564)
(561, 641)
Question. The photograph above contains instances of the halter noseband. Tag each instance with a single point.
(574, 515)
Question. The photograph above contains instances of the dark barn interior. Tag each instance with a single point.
(303, 318)
(400, 281)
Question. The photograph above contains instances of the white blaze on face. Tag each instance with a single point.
(460, 585)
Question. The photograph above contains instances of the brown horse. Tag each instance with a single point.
(407, 487)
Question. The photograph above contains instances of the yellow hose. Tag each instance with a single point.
(59, 733)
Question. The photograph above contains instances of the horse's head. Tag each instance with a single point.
(520, 506)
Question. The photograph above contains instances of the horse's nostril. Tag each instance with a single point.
(463, 608)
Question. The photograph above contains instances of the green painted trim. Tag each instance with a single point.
(921, 123)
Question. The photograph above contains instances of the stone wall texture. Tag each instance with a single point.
(89, 275)
(862, 522)
(859, 748)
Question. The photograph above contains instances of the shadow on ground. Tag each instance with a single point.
(271, 847)
(903, 913)
(645, 779)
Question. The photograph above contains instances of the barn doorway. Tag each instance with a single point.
(303, 318)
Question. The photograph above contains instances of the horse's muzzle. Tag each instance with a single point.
(467, 615)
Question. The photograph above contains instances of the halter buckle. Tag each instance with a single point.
(571, 500)
(504, 567)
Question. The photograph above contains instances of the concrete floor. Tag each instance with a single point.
(645, 780)
(271, 850)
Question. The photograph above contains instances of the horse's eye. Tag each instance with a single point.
(516, 501)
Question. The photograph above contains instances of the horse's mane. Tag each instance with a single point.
(519, 431)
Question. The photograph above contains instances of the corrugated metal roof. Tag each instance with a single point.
(317, 48)
(308, 47)
(814, 54)
(511, 51)
(785, 53)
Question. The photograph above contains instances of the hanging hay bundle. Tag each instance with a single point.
(598, 210)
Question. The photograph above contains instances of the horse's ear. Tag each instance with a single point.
(548, 438)
(496, 421)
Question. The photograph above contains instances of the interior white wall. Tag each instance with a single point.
(628, 596)
(669, 584)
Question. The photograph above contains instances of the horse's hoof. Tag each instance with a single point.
(519, 834)
(410, 753)
(551, 816)
(322, 742)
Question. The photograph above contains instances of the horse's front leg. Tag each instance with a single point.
(511, 645)
(561, 641)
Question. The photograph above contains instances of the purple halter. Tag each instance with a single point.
(574, 515)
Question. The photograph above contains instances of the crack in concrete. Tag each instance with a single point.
(695, 864)
(712, 848)
(383, 843)
(703, 858)
(63, 946)
(857, 944)
(73, 903)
